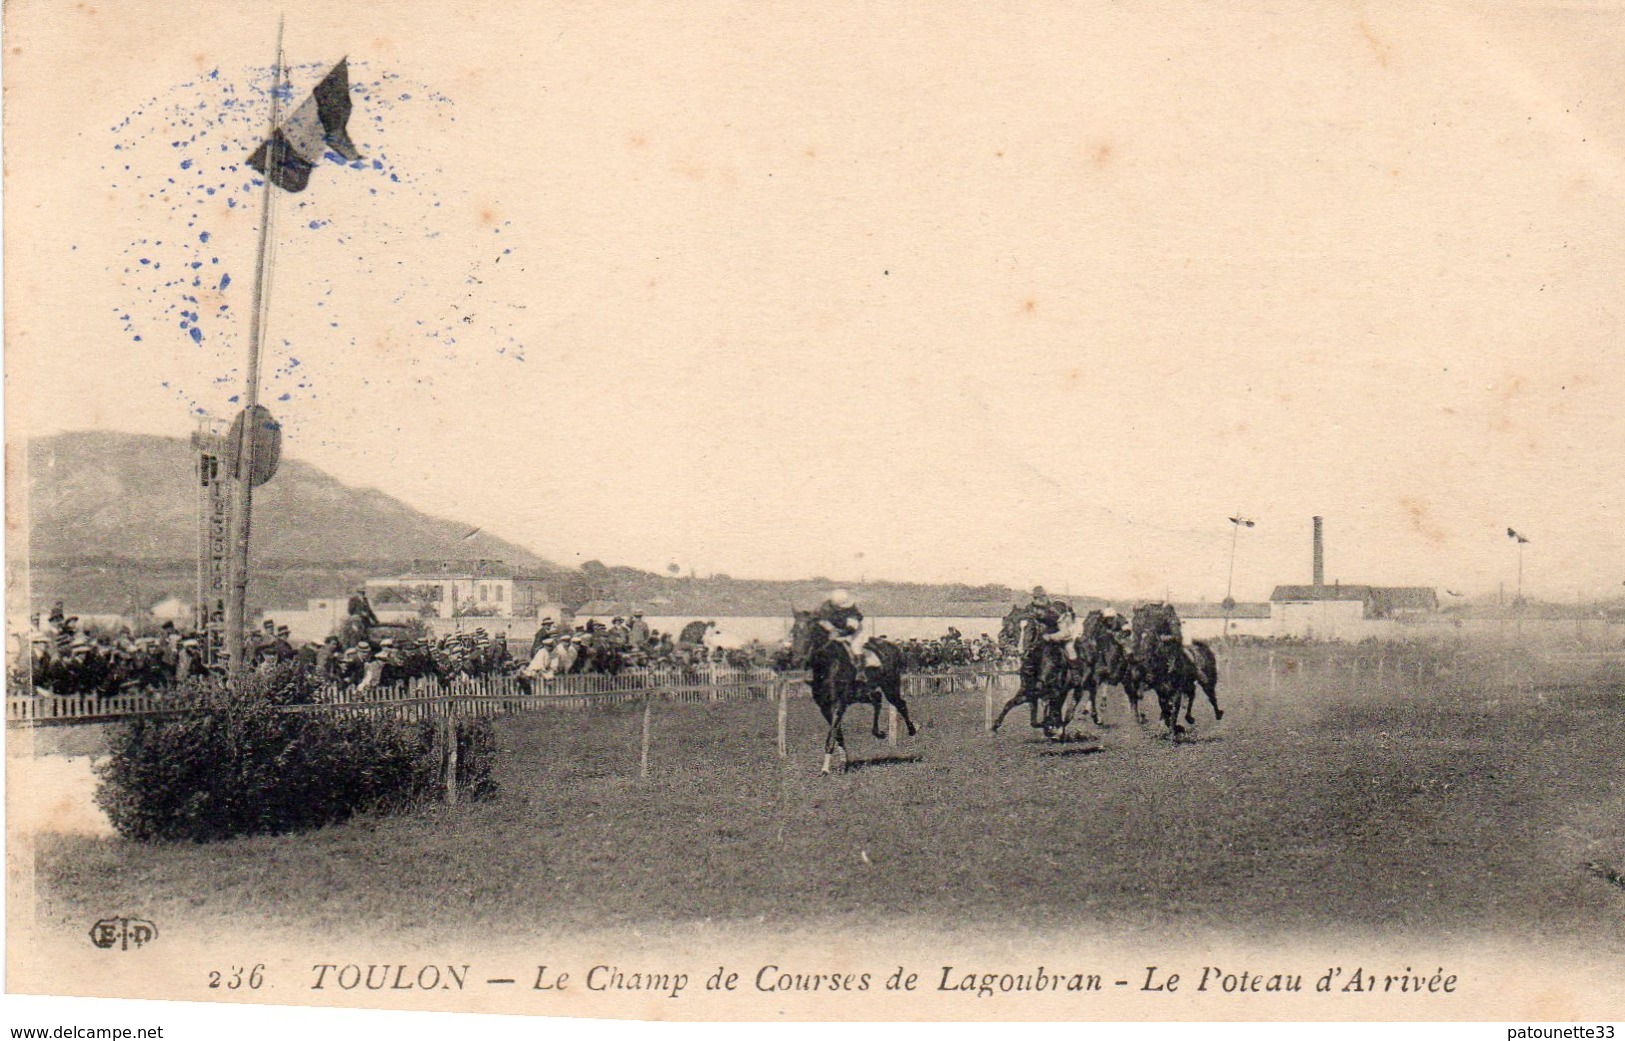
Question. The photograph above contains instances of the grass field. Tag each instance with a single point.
(1321, 807)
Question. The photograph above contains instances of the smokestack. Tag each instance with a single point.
(1320, 554)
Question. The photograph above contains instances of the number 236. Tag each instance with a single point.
(237, 978)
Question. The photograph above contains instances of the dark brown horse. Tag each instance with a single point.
(836, 685)
(1108, 663)
(1172, 669)
(1047, 679)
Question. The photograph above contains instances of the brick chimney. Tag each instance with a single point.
(1320, 554)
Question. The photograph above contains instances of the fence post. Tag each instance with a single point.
(992, 680)
(782, 688)
(643, 766)
(891, 725)
(1272, 675)
(449, 728)
(1381, 662)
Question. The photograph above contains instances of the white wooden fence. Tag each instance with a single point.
(429, 698)
(42, 709)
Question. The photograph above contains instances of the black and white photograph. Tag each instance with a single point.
(870, 512)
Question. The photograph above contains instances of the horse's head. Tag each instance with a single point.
(801, 638)
(1010, 628)
(1109, 650)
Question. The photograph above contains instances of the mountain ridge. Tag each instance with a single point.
(112, 495)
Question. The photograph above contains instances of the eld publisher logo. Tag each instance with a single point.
(122, 933)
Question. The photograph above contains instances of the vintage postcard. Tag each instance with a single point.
(818, 512)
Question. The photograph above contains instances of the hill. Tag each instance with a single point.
(113, 528)
(106, 495)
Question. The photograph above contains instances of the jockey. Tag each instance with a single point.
(1041, 613)
(1066, 630)
(840, 618)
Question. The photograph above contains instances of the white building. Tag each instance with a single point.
(462, 588)
(1352, 613)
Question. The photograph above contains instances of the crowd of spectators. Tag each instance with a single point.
(69, 659)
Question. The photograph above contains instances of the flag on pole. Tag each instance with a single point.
(1514, 535)
(295, 147)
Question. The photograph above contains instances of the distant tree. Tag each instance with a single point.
(573, 590)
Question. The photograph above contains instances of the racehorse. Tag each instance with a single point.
(835, 684)
(1106, 662)
(1010, 631)
(1047, 678)
(1172, 669)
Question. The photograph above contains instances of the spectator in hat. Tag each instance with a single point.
(638, 631)
(544, 632)
(188, 659)
(360, 609)
(327, 658)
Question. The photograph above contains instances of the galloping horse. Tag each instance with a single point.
(1107, 662)
(1046, 677)
(1173, 670)
(835, 685)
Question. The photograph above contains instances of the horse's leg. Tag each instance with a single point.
(1181, 694)
(875, 727)
(1008, 705)
(1052, 717)
(1213, 699)
(840, 738)
(832, 739)
(1168, 710)
(1059, 717)
(896, 698)
(1135, 693)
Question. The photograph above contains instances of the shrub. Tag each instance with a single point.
(236, 763)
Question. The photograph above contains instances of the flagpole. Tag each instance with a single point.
(241, 518)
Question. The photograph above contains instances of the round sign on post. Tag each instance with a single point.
(267, 444)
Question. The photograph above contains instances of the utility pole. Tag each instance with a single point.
(241, 516)
(1237, 522)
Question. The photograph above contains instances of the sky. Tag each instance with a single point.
(1023, 293)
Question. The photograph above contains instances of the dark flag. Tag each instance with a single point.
(1514, 535)
(296, 146)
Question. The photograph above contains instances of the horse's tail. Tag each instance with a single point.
(1207, 664)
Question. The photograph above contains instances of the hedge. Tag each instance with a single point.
(237, 764)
